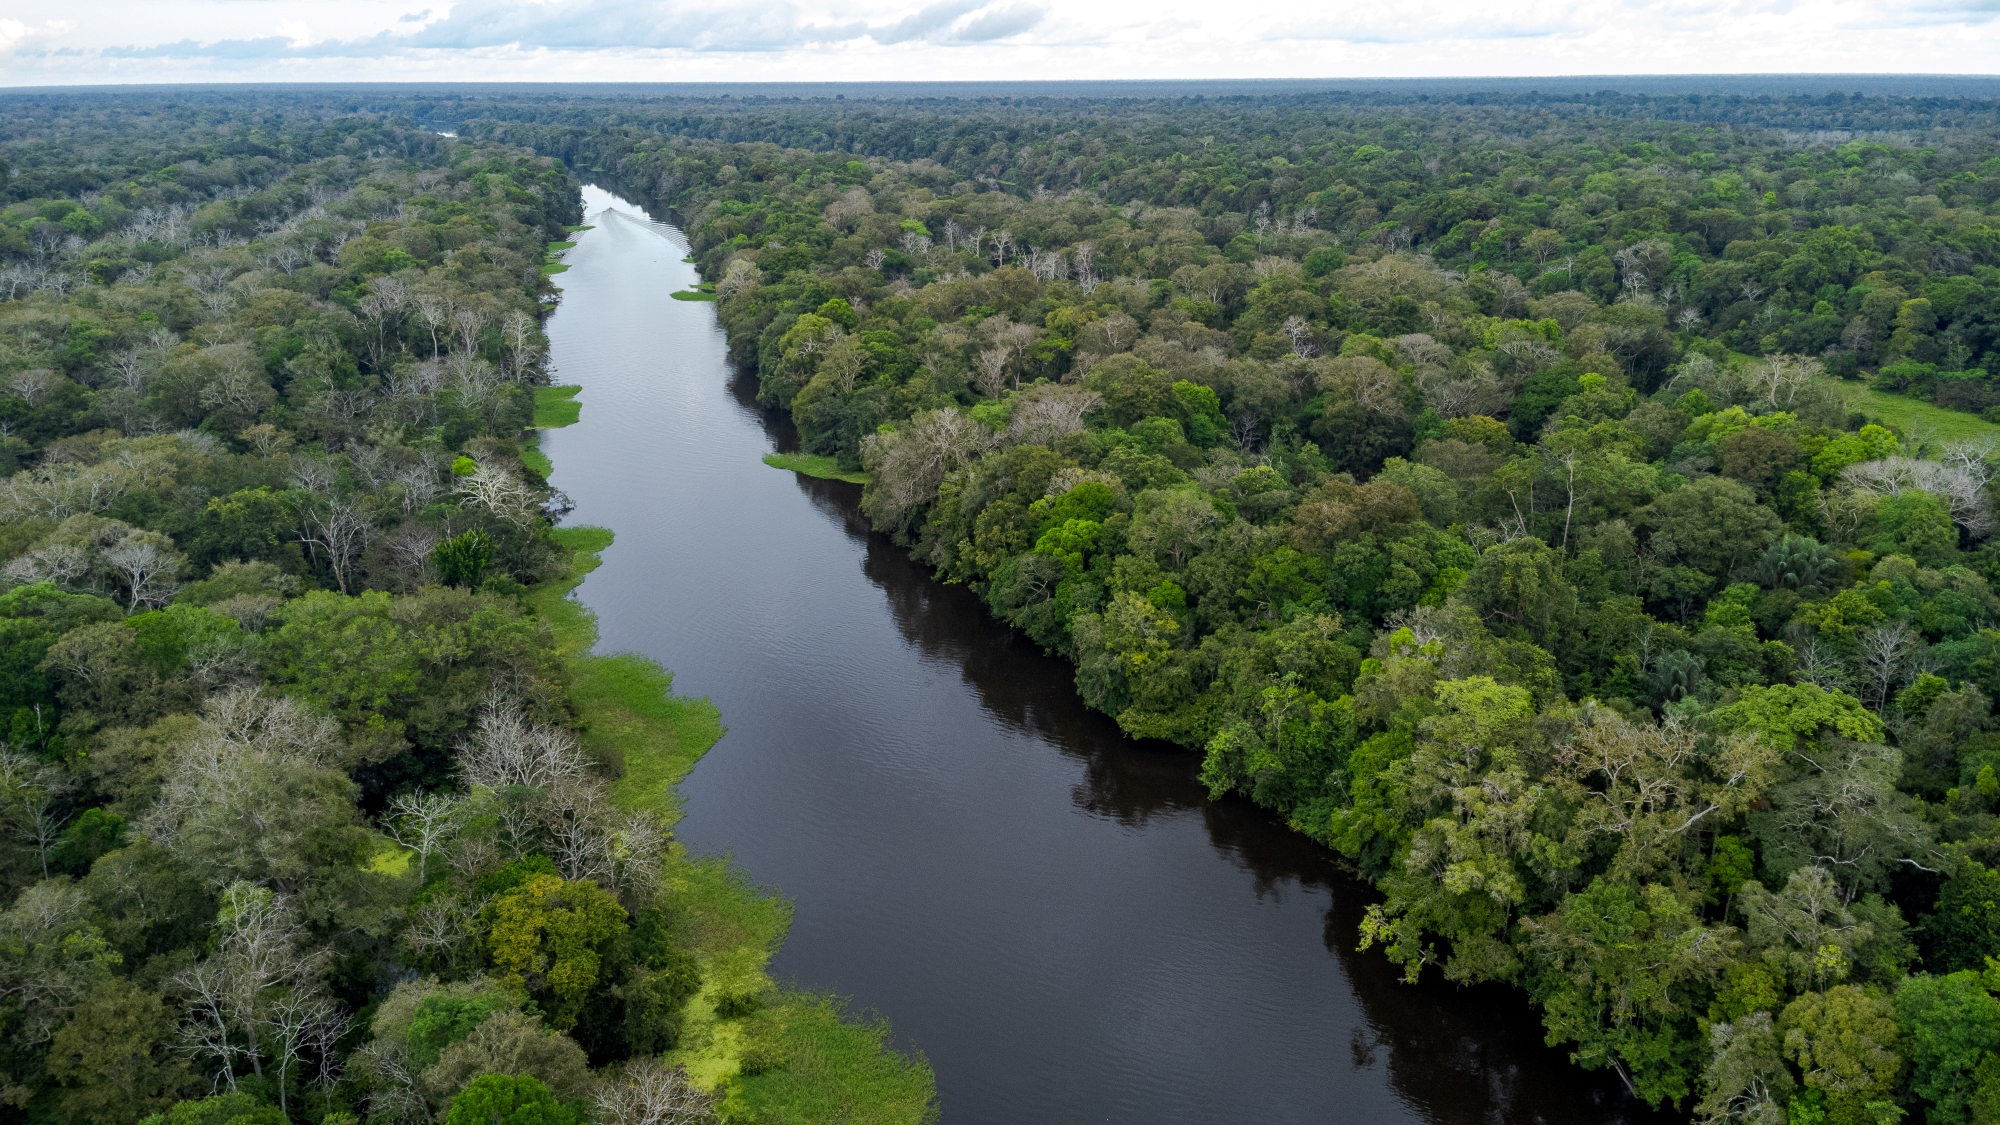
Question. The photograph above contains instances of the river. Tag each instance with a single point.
(1054, 914)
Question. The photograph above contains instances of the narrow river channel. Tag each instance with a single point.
(1055, 915)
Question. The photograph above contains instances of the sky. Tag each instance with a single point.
(60, 42)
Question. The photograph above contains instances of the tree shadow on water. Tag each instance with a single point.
(1456, 1056)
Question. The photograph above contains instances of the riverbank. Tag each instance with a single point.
(774, 1053)
(814, 465)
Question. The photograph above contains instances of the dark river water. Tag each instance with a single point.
(1054, 914)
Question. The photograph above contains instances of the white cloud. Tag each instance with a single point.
(14, 33)
(778, 40)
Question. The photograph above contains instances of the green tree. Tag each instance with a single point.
(505, 1099)
(1132, 389)
(1951, 1024)
(116, 1056)
(1618, 970)
(462, 561)
(1520, 585)
(1714, 525)
(223, 1109)
(1916, 524)
(1844, 1042)
(1964, 929)
(547, 937)
(1467, 866)
(1746, 1079)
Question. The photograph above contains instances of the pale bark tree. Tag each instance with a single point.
(341, 529)
(1884, 652)
(435, 312)
(1299, 331)
(907, 464)
(147, 570)
(468, 323)
(211, 284)
(648, 1092)
(1780, 379)
(37, 796)
(424, 823)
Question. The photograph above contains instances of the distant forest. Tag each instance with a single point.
(1574, 507)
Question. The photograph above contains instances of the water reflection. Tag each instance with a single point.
(1055, 914)
(1461, 1054)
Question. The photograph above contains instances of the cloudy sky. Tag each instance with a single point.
(46, 42)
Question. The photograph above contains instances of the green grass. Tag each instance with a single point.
(556, 407)
(691, 295)
(819, 1063)
(532, 455)
(551, 265)
(1908, 414)
(813, 465)
(776, 1055)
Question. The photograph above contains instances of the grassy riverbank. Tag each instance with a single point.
(776, 1054)
(813, 465)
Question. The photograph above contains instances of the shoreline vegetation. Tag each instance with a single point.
(1474, 482)
(779, 1053)
(815, 465)
(317, 806)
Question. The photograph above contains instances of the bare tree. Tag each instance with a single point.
(740, 275)
(517, 330)
(435, 312)
(506, 749)
(500, 492)
(1884, 653)
(469, 324)
(1083, 261)
(1641, 262)
(212, 285)
(438, 929)
(35, 385)
(1299, 330)
(1010, 341)
(260, 988)
(424, 823)
(990, 371)
(910, 462)
(340, 528)
(1045, 414)
(1780, 379)
(205, 1031)
(1820, 667)
(302, 1024)
(1959, 480)
(648, 1092)
(37, 796)
(147, 569)
(131, 369)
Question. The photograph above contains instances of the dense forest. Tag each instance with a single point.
(306, 818)
(1574, 511)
